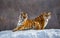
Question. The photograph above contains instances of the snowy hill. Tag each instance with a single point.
(48, 33)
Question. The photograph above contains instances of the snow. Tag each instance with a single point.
(47, 33)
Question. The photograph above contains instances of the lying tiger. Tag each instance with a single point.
(37, 23)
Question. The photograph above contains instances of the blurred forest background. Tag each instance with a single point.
(10, 10)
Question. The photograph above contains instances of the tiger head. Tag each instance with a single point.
(23, 16)
(46, 15)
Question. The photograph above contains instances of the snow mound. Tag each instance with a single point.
(47, 33)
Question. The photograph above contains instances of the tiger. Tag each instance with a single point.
(38, 23)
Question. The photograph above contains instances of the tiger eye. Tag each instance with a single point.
(46, 15)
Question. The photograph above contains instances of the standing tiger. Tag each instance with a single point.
(37, 23)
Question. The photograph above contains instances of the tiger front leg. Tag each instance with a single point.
(18, 28)
(15, 29)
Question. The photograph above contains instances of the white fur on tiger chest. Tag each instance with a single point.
(46, 22)
(20, 22)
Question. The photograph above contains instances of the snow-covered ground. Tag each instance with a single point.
(47, 33)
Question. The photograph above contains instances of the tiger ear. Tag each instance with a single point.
(49, 13)
(22, 13)
(43, 13)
